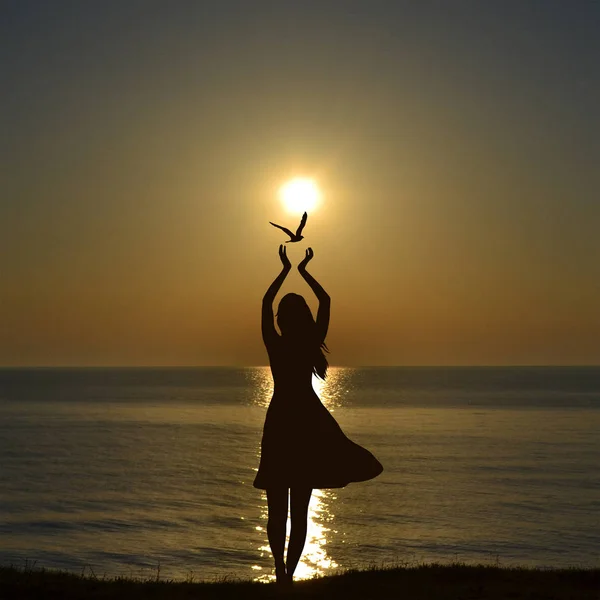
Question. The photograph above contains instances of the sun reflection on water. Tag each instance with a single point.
(331, 391)
(315, 559)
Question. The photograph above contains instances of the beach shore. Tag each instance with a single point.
(433, 582)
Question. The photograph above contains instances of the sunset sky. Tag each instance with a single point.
(456, 146)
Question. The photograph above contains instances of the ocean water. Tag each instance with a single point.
(127, 471)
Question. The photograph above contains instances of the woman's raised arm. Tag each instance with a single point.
(269, 332)
(323, 297)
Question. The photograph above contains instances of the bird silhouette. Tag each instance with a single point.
(294, 237)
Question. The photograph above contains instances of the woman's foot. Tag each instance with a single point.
(281, 577)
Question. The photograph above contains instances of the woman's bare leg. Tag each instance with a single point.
(277, 501)
(299, 500)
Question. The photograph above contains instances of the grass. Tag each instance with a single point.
(431, 582)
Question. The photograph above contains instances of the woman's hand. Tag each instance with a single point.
(307, 259)
(285, 261)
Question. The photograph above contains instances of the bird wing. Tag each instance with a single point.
(283, 229)
(302, 224)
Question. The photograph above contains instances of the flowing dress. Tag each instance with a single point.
(302, 444)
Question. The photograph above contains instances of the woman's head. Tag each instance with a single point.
(294, 317)
(297, 325)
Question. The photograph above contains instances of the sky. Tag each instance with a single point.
(456, 146)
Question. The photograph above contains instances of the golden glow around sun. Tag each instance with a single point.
(299, 195)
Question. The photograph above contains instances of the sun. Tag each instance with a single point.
(299, 195)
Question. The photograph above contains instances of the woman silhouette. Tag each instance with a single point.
(303, 447)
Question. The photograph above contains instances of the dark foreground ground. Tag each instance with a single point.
(431, 582)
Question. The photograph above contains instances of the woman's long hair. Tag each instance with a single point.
(297, 324)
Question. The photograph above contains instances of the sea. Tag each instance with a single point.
(147, 473)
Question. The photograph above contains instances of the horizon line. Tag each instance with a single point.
(424, 366)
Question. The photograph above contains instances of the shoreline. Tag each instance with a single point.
(429, 581)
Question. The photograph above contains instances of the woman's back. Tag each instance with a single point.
(291, 366)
